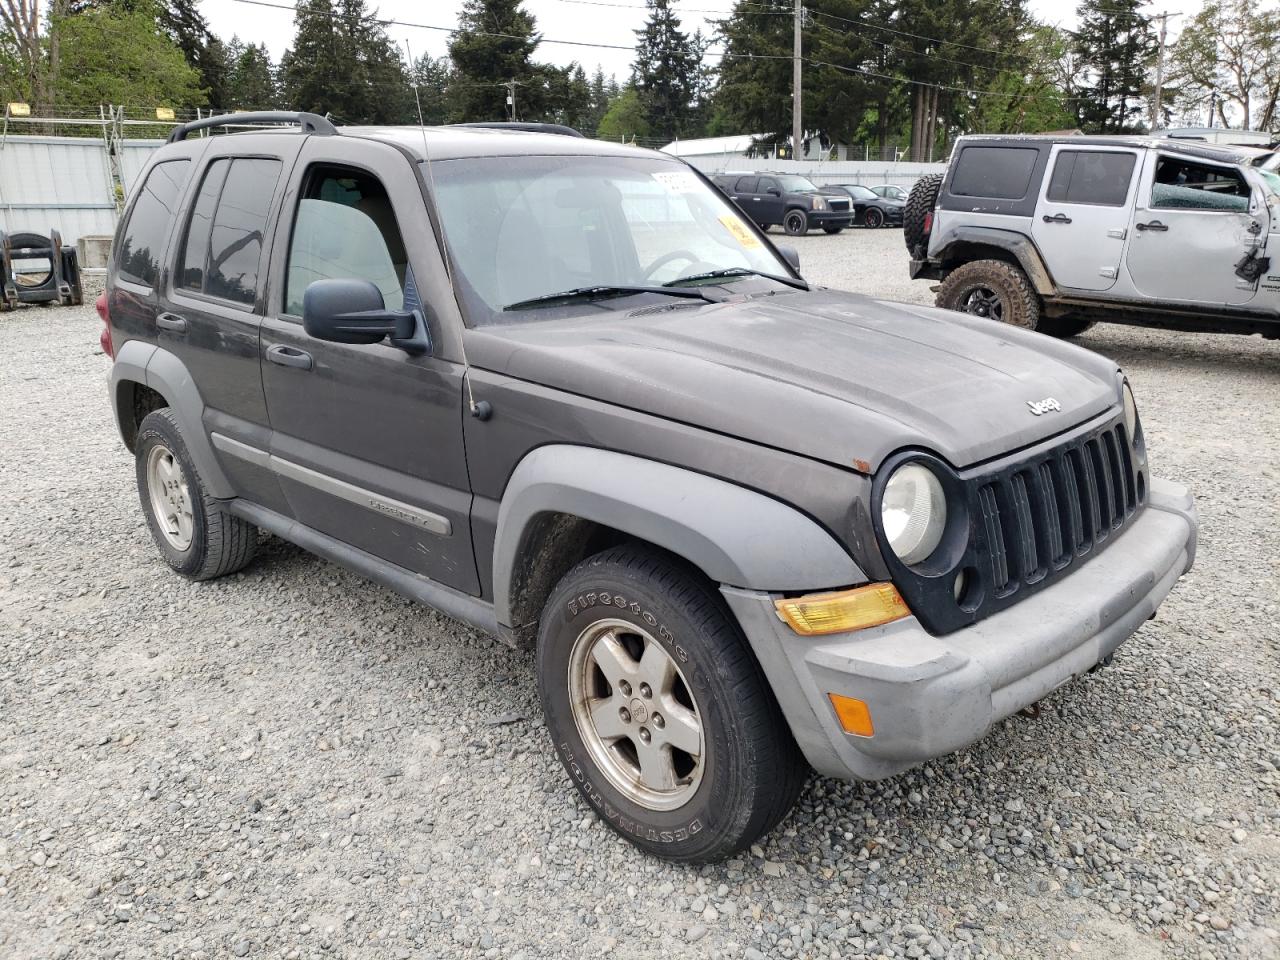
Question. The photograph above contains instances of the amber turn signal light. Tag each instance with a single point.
(843, 610)
(854, 715)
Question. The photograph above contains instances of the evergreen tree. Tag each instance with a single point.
(342, 62)
(486, 61)
(183, 23)
(1115, 45)
(437, 91)
(251, 82)
(668, 75)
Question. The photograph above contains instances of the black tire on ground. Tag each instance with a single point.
(920, 202)
(1064, 327)
(749, 771)
(873, 218)
(992, 289)
(832, 230)
(795, 223)
(220, 543)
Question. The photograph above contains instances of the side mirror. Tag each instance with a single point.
(790, 254)
(774, 192)
(352, 311)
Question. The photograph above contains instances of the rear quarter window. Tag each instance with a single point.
(142, 243)
(1000, 173)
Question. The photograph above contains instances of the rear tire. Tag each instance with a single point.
(192, 531)
(795, 223)
(920, 203)
(658, 709)
(873, 218)
(1065, 327)
(992, 289)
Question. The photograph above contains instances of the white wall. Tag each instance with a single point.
(869, 172)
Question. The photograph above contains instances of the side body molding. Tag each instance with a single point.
(145, 363)
(734, 535)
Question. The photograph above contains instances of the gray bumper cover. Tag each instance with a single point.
(932, 695)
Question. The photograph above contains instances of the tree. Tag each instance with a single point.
(182, 21)
(1233, 48)
(1033, 98)
(602, 93)
(626, 118)
(251, 82)
(667, 74)
(1115, 46)
(437, 92)
(494, 45)
(342, 62)
(115, 55)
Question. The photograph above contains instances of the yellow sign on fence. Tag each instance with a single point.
(164, 113)
(19, 109)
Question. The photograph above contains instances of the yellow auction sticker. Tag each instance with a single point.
(740, 232)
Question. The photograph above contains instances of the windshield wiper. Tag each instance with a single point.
(738, 272)
(604, 291)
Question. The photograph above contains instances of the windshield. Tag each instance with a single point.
(1272, 180)
(520, 228)
(862, 193)
(793, 184)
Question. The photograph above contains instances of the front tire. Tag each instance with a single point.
(659, 711)
(194, 534)
(992, 289)
(795, 223)
(832, 231)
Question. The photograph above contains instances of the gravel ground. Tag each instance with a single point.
(292, 762)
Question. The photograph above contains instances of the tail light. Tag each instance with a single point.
(928, 223)
(104, 338)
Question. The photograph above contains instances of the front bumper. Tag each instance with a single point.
(829, 218)
(928, 695)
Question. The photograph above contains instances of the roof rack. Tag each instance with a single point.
(310, 122)
(557, 128)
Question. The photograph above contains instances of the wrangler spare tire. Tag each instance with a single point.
(916, 219)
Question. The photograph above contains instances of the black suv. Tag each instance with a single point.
(563, 391)
(787, 200)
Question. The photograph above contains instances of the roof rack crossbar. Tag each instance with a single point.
(310, 122)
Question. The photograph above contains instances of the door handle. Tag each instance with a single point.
(1153, 225)
(1056, 218)
(289, 357)
(171, 321)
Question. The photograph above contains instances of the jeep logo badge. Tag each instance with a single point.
(1047, 405)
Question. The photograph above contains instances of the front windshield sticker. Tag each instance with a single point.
(740, 232)
(679, 181)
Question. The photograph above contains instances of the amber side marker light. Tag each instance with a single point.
(843, 610)
(854, 715)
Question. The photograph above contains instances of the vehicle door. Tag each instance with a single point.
(1082, 219)
(772, 203)
(211, 308)
(367, 439)
(1194, 221)
(745, 196)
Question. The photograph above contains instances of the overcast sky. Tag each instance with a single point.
(586, 21)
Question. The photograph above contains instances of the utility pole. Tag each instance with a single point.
(1156, 105)
(797, 127)
(511, 96)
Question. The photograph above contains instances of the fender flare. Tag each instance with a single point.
(1019, 245)
(147, 364)
(736, 536)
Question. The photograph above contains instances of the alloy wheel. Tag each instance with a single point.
(170, 497)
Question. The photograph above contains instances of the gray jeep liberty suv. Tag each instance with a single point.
(564, 391)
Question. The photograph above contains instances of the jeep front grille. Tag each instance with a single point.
(1022, 523)
(1039, 517)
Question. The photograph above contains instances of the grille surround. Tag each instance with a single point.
(1020, 523)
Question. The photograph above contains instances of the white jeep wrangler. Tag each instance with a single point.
(1057, 233)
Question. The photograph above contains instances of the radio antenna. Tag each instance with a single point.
(482, 410)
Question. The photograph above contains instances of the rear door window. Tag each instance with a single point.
(1093, 177)
(141, 246)
(746, 185)
(999, 173)
(222, 249)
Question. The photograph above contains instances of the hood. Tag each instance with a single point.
(833, 376)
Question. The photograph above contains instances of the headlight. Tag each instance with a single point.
(1130, 414)
(819, 203)
(913, 512)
